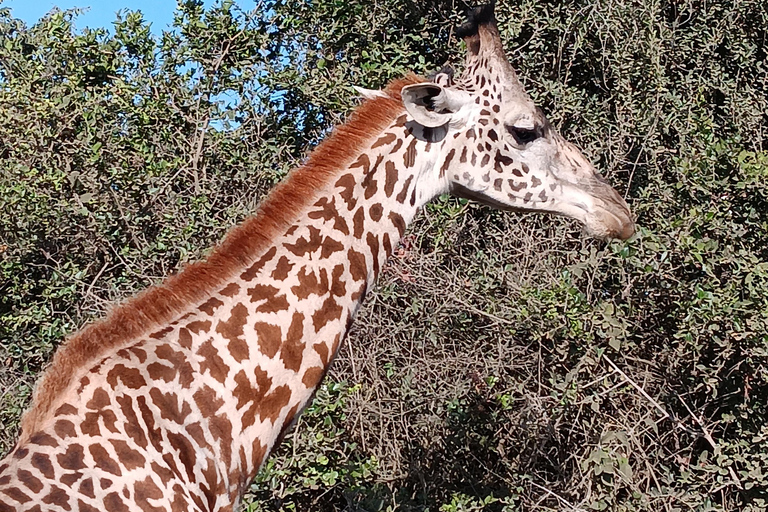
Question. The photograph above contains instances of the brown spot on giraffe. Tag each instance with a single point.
(169, 406)
(386, 244)
(185, 452)
(273, 300)
(212, 362)
(43, 439)
(243, 391)
(131, 425)
(221, 428)
(196, 432)
(390, 177)
(86, 488)
(313, 376)
(178, 361)
(338, 285)
(230, 290)
(373, 244)
(57, 497)
(152, 431)
(322, 351)
(17, 495)
(232, 330)
(292, 350)
(358, 222)
(165, 474)
(84, 507)
(70, 478)
(274, 403)
(210, 306)
(305, 245)
(114, 503)
(103, 460)
(363, 162)
(211, 486)
(255, 269)
(185, 338)
(282, 269)
(328, 212)
(347, 183)
(310, 284)
(409, 159)
(375, 212)
(396, 148)
(370, 184)
(404, 191)
(360, 293)
(254, 396)
(270, 338)
(387, 138)
(148, 490)
(129, 377)
(30, 481)
(42, 463)
(447, 162)
(157, 335)
(330, 246)
(158, 372)
(199, 326)
(357, 265)
(65, 410)
(329, 311)
(85, 381)
(90, 425)
(127, 456)
(72, 459)
(397, 221)
(207, 402)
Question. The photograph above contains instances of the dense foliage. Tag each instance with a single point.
(505, 362)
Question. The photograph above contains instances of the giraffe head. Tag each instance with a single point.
(500, 149)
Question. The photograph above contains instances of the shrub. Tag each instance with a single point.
(504, 362)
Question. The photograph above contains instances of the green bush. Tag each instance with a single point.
(505, 362)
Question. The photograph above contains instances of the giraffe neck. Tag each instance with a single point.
(280, 324)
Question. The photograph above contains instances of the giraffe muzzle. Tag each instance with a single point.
(610, 216)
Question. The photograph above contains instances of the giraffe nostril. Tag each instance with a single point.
(627, 231)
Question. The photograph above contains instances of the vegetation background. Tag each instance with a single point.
(505, 362)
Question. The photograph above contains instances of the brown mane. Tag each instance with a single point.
(159, 305)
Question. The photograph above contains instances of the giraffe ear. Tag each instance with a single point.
(369, 94)
(431, 104)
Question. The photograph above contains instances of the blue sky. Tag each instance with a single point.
(101, 13)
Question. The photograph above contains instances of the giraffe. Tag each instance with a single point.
(175, 399)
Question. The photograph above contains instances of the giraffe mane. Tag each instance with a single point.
(159, 305)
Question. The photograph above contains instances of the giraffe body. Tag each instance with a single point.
(181, 415)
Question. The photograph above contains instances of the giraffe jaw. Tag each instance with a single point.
(604, 218)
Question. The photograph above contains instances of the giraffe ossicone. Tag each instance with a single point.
(175, 399)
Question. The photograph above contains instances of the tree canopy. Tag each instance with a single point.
(505, 361)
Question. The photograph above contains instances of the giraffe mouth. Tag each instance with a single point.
(609, 216)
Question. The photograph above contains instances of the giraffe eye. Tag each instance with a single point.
(523, 135)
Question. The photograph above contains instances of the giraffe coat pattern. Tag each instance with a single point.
(174, 401)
